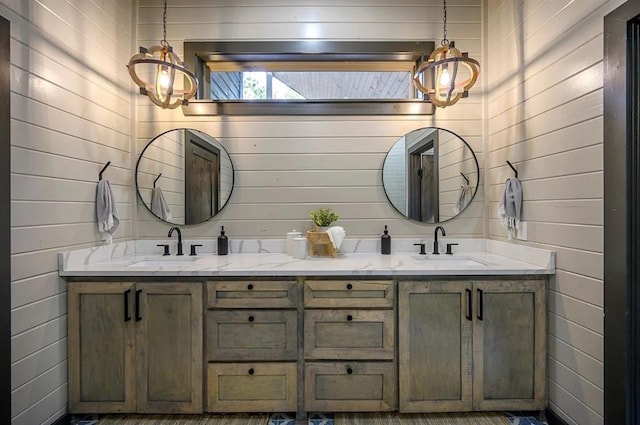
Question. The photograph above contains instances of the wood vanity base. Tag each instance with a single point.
(321, 344)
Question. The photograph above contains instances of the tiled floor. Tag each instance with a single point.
(327, 419)
(314, 419)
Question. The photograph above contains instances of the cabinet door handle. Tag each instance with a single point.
(138, 317)
(250, 286)
(127, 316)
(349, 286)
(349, 317)
(349, 370)
(251, 318)
(480, 303)
(469, 304)
(251, 371)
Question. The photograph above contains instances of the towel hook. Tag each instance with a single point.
(104, 168)
(154, 182)
(513, 168)
(464, 177)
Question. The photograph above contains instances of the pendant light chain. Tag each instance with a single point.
(444, 20)
(164, 41)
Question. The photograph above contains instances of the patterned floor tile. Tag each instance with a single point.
(524, 420)
(314, 419)
(281, 419)
(321, 419)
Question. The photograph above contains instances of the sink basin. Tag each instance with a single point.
(448, 261)
(164, 262)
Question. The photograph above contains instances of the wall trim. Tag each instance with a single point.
(620, 238)
(553, 419)
(64, 420)
(5, 222)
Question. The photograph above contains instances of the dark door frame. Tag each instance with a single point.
(621, 216)
(5, 223)
(193, 141)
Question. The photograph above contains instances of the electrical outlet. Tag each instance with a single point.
(521, 230)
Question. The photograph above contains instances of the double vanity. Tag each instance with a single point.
(259, 331)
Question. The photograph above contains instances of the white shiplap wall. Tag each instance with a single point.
(70, 114)
(286, 166)
(545, 115)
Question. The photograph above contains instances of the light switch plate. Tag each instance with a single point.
(521, 230)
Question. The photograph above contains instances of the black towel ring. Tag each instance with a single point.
(103, 168)
(154, 182)
(513, 168)
(464, 177)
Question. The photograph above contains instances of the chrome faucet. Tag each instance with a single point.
(435, 239)
(179, 238)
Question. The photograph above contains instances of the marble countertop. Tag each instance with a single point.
(476, 257)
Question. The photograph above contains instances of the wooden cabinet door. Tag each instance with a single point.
(169, 347)
(509, 340)
(435, 339)
(101, 347)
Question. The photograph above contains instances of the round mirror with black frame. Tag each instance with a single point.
(430, 175)
(184, 176)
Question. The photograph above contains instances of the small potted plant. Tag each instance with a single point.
(323, 217)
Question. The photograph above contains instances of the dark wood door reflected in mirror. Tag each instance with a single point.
(430, 175)
(184, 176)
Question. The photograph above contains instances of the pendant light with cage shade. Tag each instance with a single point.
(162, 65)
(454, 72)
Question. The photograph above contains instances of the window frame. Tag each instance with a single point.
(198, 53)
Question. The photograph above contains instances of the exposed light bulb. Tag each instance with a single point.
(163, 78)
(445, 78)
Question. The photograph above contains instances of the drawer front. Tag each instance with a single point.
(251, 335)
(252, 294)
(348, 334)
(247, 387)
(348, 293)
(350, 387)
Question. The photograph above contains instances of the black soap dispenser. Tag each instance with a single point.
(385, 242)
(223, 243)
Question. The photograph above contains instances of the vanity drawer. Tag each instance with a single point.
(348, 293)
(348, 334)
(251, 335)
(252, 294)
(350, 387)
(251, 387)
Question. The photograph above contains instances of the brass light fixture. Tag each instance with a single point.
(447, 64)
(166, 65)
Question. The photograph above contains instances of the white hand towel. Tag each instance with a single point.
(464, 197)
(106, 212)
(336, 235)
(158, 204)
(510, 206)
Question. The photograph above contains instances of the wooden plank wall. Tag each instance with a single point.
(287, 166)
(70, 114)
(544, 110)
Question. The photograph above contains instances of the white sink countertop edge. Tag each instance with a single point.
(496, 258)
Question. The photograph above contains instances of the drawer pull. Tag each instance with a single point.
(251, 318)
(349, 317)
(349, 286)
(251, 371)
(250, 286)
(349, 371)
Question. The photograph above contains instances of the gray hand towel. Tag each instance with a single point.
(464, 197)
(106, 211)
(510, 206)
(158, 204)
